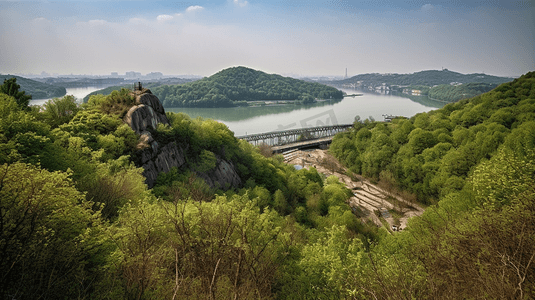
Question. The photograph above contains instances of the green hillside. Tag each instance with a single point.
(472, 161)
(433, 152)
(427, 78)
(78, 222)
(453, 93)
(149, 85)
(36, 89)
(235, 86)
(444, 86)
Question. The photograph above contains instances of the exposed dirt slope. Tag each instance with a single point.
(369, 200)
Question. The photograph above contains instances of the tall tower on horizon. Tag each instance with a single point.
(346, 73)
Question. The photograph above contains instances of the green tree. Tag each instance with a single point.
(59, 110)
(329, 264)
(11, 88)
(48, 235)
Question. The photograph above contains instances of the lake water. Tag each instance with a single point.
(78, 92)
(251, 120)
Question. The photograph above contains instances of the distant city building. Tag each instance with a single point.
(154, 75)
(114, 74)
(133, 74)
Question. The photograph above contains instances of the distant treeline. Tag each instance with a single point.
(235, 86)
(36, 89)
(149, 85)
(427, 78)
(452, 93)
(445, 85)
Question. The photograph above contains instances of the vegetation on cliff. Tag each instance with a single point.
(235, 86)
(76, 210)
(78, 221)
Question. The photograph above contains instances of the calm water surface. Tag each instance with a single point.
(78, 92)
(251, 120)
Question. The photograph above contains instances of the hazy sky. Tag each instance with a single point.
(285, 37)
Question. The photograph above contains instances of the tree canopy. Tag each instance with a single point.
(36, 89)
(77, 220)
(11, 88)
(232, 86)
(426, 78)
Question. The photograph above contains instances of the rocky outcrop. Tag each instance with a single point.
(155, 158)
(146, 114)
(223, 176)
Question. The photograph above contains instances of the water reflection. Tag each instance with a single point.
(78, 92)
(251, 120)
(244, 113)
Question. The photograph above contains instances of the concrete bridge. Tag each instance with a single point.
(296, 138)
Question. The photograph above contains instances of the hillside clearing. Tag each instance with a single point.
(370, 202)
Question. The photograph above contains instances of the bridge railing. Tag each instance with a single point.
(277, 138)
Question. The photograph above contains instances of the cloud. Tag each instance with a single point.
(427, 36)
(137, 20)
(163, 18)
(40, 20)
(97, 22)
(194, 8)
(427, 7)
(241, 3)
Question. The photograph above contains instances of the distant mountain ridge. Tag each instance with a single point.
(427, 78)
(38, 90)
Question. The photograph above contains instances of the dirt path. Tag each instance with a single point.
(369, 200)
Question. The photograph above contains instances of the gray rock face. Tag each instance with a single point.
(142, 117)
(155, 158)
(151, 100)
(223, 176)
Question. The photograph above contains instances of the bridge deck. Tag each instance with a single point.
(280, 136)
(296, 138)
(303, 144)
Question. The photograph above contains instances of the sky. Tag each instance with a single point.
(299, 38)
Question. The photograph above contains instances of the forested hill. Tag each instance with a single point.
(78, 220)
(452, 93)
(236, 85)
(473, 162)
(433, 153)
(426, 78)
(37, 89)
